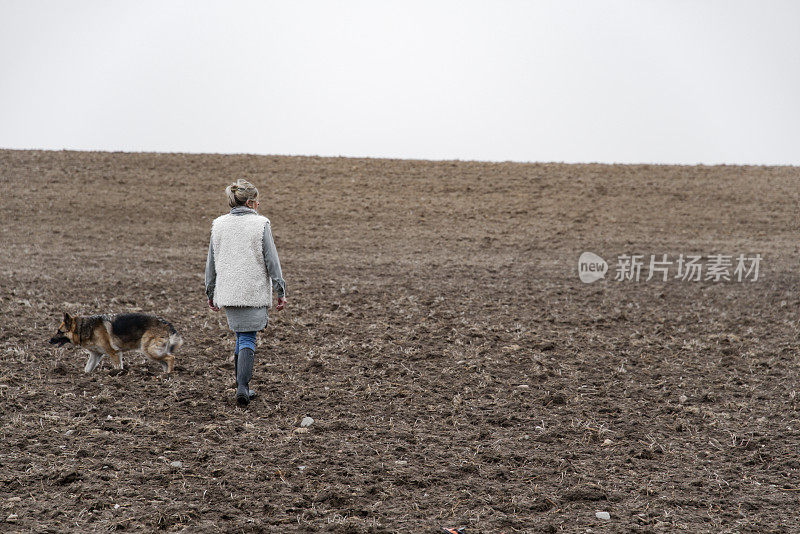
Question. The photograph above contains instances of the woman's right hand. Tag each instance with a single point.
(211, 305)
(281, 303)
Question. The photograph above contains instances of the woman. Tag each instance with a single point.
(241, 262)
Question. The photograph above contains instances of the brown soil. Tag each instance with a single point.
(458, 371)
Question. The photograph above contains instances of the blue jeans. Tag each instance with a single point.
(245, 340)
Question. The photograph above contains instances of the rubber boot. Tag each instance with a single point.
(244, 372)
(251, 392)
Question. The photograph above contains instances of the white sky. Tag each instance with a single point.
(666, 81)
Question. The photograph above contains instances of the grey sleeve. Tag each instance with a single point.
(211, 272)
(273, 263)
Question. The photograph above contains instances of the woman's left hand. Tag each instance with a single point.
(211, 305)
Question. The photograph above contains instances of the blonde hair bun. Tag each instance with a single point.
(240, 192)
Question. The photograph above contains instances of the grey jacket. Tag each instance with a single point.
(242, 319)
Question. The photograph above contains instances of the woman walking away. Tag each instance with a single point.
(242, 261)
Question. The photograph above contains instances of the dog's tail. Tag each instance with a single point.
(175, 342)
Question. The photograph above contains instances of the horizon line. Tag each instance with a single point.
(431, 160)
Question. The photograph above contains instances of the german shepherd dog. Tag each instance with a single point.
(113, 334)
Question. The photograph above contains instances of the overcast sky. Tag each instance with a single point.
(615, 81)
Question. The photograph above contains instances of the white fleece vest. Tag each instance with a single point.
(242, 279)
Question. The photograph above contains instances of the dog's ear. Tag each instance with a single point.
(67, 319)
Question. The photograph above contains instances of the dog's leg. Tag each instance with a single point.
(116, 358)
(157, 350)
(94, 360)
